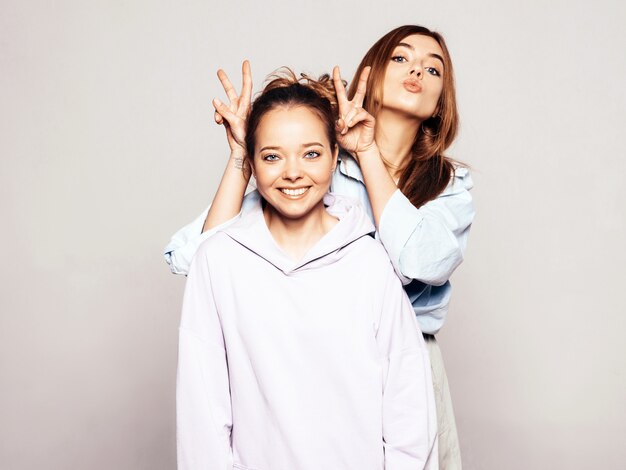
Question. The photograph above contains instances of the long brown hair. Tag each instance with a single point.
(428, 172)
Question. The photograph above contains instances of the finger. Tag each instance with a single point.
(339, 88)
(350, 115)
(228, 87)
(361, 116)
(246, 88)
(218, 118)
(341, 127)
(225, 111)
(361, 87)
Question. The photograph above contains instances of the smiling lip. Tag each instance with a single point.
(294, 192)
(412, 85)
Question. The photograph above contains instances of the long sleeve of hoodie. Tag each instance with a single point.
(204, 418)
(409, 416)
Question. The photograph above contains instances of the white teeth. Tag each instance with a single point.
(294, 192)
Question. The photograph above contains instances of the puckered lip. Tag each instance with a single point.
(413, 85)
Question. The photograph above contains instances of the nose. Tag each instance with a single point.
(293, 171)
(417, 71)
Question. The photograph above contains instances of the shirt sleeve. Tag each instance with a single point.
(203, 410)
(427, 244)
(185, 242)
(409, 415)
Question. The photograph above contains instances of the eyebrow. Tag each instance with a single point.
(310, 144)
(430, 54)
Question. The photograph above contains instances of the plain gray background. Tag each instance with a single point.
(108, 146)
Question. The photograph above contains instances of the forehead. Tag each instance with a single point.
(422, 44)
(288, 123)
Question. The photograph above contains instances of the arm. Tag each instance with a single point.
(428, 243)
(355, 133)
(203, 411)
(409, 416)
(425, 243)
(378, 182)
(227, 202)
(229, 195)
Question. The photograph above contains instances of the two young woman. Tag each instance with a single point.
(395, 167)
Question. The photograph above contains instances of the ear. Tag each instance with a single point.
(251, 164)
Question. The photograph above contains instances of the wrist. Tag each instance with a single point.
(237, 159)
(371, 151)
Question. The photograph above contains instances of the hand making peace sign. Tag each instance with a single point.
(355, 126)
(235, 114)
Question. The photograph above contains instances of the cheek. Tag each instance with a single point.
(262, 173)
(323, 174)
(437, 90)
(387, 88)
(265, 177)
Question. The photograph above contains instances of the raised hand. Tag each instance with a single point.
(235, 114)
(355, 127)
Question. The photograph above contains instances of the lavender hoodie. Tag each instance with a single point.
(315, 364)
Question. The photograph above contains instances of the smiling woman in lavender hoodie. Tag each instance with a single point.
(298, 347)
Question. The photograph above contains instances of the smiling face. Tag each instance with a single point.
(293, 162)
(413, 80)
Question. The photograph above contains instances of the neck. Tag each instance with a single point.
(395, 134)
(296, 236)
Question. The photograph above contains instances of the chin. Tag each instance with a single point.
(286, 213)
(408, 110)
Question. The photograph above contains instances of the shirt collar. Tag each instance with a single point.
(349, 166)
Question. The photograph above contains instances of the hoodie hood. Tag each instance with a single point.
(252, 232)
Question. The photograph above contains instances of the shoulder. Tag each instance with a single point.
(211, 253)
(372, 251)
(459, 185)
(371, 266)
(215, 246)
(461, 179)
